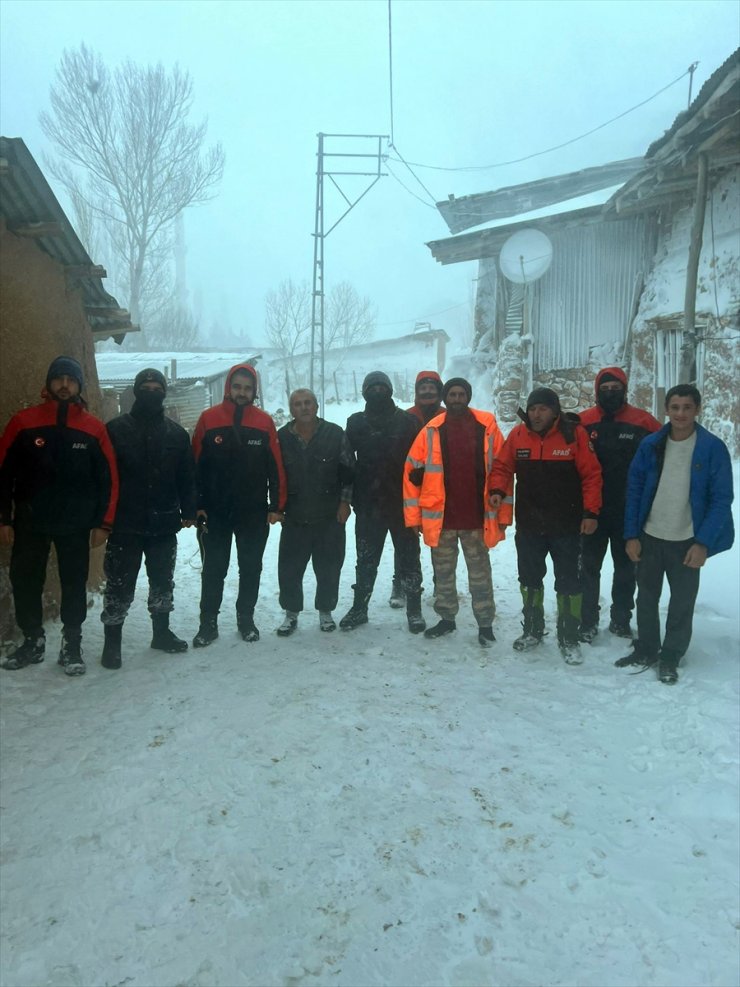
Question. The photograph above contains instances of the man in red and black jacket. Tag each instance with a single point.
(615, 429)
(241, 490)
(558, 498)
(58, 483)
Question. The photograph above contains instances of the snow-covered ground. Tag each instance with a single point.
(372, 808)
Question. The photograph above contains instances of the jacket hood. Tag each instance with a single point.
(429, 375)
(617, 372)
(243, 368)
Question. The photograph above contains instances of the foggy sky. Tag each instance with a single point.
(475, 82)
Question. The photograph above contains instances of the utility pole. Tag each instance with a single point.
(348, 147)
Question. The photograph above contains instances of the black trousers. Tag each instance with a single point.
(215, 551)
(123, 555)
(370, 534)
(593, 549)
(659, 558)
(28, 573)
(531, 553)
(322, 543)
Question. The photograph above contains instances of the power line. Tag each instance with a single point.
(548, 150)
(418, 318)
(418, 198)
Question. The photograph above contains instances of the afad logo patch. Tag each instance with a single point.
(39, 442)
(218, 440)
(524, 454)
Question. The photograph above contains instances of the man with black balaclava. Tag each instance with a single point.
(381, 437)
(615, 429)
(58, 484)
(241, 490)
(156, 499)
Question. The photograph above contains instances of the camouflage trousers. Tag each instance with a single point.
(480, 583)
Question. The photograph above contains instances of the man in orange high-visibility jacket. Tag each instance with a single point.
(444, 489)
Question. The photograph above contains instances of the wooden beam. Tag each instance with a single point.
(688, 347)
(39, 229)
(85, 271)
(118, 314)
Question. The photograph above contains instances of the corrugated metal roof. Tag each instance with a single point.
(121, 368)
(27, 201)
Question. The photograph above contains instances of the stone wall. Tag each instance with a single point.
(40, 318)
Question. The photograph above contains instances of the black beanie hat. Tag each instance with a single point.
(65, 366)
(376, 377)
(546, 396)
(149, 376)
(457, 382)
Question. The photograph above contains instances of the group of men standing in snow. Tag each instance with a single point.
(612, 477)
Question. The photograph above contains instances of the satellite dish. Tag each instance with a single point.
(525, 256)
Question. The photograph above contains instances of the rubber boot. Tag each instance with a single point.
(569, 621)
(533, 622)
(111, 657)
(413, 613)
(162, 637)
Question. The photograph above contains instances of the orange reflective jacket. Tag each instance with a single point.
(424, 483)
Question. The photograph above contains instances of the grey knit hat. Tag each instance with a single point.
(376, 377)
(546, 396)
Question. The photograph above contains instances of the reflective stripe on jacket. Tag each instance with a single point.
(424, 485)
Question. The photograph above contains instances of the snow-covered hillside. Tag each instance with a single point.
(371, 807)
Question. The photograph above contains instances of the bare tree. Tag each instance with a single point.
(288, 320)
(128, 153)
(175, 328)
(349, 318)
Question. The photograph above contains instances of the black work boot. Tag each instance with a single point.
(247, 628)
(111, 657)
(289, 624)
(357, 613)
(441, 628)
(70, 653)
(413, 613)
(640, 656)
(207, 632)
(668, 667)
(485, 636)
(31, 652)
(533, 623)
(163, 638)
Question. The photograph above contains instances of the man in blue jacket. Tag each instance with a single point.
(678, 513)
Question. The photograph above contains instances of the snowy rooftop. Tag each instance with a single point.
(123, 367)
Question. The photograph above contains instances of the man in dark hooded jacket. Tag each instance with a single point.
(241, 490)
(615, 429)
(381, 437)
(156, 499)
(58, 483)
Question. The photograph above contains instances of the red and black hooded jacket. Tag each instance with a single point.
(421, 414)
(238, 463)
(57, 469)
(615, 438)
(558, 478)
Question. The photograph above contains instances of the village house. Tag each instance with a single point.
(52, 302)
(346, 367)
(645, 270)
(195, 381)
